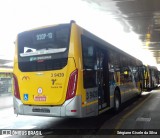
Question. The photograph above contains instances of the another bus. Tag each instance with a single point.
(6, 81)
(151, 77)
(66, 71)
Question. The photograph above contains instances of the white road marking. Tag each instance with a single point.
(143, 119)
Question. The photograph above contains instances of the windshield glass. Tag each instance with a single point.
(43, 45)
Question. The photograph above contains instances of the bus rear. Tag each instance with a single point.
(46, 72)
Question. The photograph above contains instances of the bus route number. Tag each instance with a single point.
(44, 36)
(57, 75)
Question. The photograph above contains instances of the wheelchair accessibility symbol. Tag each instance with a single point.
(25, 97)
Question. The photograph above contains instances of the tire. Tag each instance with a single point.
(117, 101)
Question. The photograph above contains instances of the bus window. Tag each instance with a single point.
(45, 45)
(89, 60)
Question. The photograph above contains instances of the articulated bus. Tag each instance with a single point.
(66, 71)
(151, 77)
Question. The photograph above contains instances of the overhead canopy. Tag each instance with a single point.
(6, 64)
(139, 16)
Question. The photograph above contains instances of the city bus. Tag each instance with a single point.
(65, 71)
(6, 81)
(151, 77)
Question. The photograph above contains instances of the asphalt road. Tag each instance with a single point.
(138, 117)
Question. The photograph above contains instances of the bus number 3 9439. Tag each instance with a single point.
(57, 75)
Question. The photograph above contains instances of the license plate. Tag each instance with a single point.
(42, 110)
(39, 98)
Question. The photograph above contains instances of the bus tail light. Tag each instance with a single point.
(72, 85)
(16, 88)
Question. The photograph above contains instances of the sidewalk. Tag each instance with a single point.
(6, 100)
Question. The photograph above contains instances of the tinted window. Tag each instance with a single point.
(89, 62)
(38, 49)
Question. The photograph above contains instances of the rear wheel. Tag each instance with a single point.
(117, 101)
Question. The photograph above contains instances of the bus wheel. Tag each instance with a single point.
(117, 101)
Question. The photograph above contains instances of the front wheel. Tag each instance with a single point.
(117, 101)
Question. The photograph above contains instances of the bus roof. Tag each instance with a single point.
(94, 37)
(108, 45)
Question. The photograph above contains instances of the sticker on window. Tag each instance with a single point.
(90, 51)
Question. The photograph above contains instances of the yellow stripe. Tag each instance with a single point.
(87, 104)
(118, 126)
(111, 96)
(96, 101)
(122, 93)
(131, 90)
(104, 110)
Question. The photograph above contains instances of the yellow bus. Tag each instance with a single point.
(151, 77)
(6, 81)
(66, 71)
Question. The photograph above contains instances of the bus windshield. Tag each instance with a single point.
(43, 44)
(44, 41)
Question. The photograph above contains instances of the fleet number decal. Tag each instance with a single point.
(91, 94)
(57, 74)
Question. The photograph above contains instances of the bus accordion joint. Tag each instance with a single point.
(72, 85)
